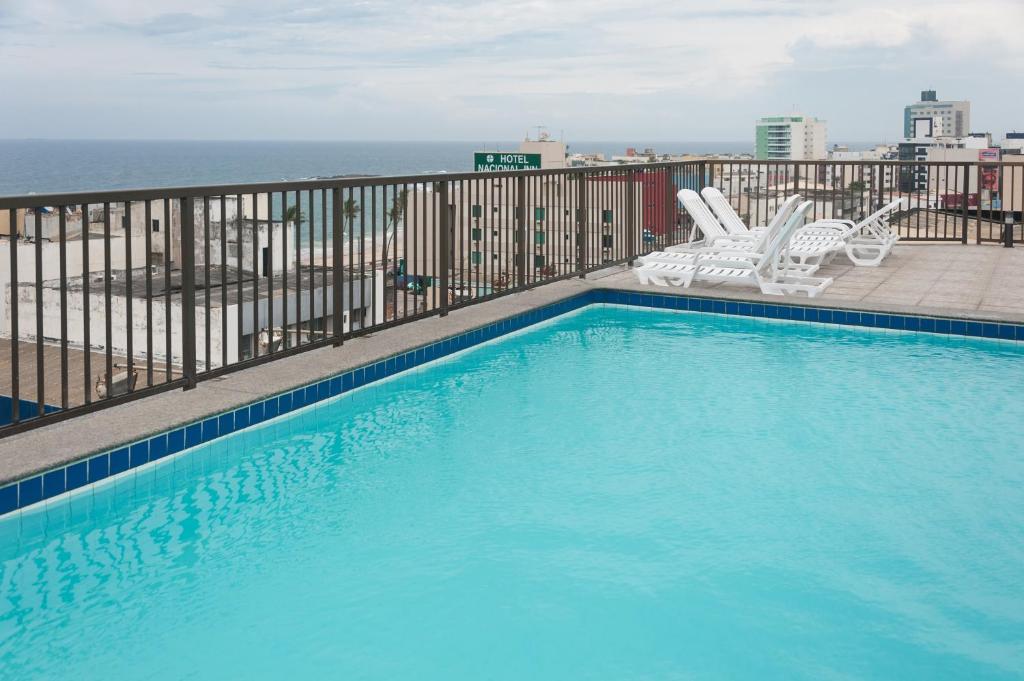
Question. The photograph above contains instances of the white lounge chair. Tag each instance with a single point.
(773, 271)
(868, 241)
(711, 230)
(732, 222)
(818, 246)
(814, 251)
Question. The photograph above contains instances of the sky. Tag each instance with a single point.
(494, 69)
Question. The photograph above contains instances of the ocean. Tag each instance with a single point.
(44, 166)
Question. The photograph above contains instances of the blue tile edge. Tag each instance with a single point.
(99, 466)
(947, 326)
(96, 467)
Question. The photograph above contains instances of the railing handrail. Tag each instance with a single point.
(352, 181)
(194, 191)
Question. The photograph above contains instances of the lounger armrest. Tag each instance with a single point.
(716, 252)
(829, 222)
(733, 237)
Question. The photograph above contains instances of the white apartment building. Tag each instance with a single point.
(790, 138)
(931, 118)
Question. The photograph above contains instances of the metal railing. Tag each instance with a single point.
(112, 296)
(966, 202)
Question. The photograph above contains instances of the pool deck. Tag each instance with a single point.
(944, 280)
(975, 282)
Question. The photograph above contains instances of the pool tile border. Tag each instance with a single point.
(96, 467)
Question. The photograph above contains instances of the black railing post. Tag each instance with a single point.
(188, 292)
(879, 180)
(337, 268)
(443, 247)
(631, 222)
(520, 261)
(702, 180)
(581, 226)
(670, 210)
(964, 199)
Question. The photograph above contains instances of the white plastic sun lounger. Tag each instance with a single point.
(868, 241)
(773, 271)
(709, 227)
(811, 253)
(818, 246)
(734, 224)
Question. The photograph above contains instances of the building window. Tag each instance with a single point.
(476, 257)
(538, 261)
(156, 225)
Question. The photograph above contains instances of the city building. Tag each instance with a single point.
(552, 152)
(932, 118)
(1013, 142)
(542, 153)
(235, 268)
(854, 168)
(790, 138)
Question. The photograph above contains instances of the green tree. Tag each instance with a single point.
(393, 215)
(350, 211)
(857, 187)
(294, 214)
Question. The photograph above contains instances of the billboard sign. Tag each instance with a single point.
(989, 175)
(988, 155)
(490, 161)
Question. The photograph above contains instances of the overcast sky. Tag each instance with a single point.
(491, 69)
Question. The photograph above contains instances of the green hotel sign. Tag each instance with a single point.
(484, 161)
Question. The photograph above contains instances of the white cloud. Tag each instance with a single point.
(425, 65)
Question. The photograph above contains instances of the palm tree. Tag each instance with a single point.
(294, 214)
(350, 211)
(393, 215)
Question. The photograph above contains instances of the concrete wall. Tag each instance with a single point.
(75, 263)
(5, 221)
(364, 297)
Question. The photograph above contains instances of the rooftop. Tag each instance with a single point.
(982, 282)
(223, 284)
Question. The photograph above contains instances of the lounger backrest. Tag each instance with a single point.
(702, 217)
(768, 265)
(883, 211)
(785, 211)
(724, 211)
(732, 222)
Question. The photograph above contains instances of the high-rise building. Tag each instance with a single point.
(791, 138)
(932, 118)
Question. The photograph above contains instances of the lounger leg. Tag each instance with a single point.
(866, 260)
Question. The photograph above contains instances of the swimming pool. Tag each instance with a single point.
(617, 493)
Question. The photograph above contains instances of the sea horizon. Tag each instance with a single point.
(45, 165)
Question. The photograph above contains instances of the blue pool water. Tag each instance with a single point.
(617, 494)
